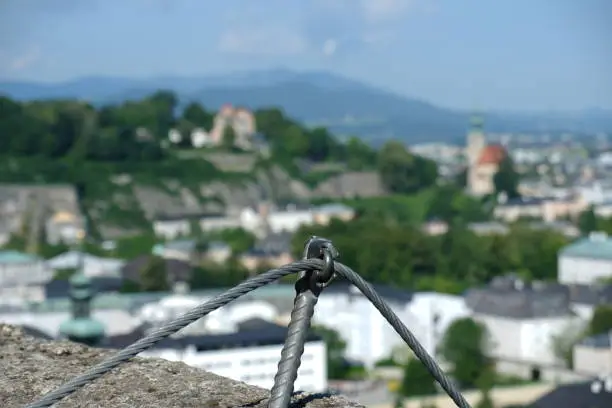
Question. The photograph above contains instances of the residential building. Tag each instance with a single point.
(596, 192)
(586, 261)
(547, 209)
(90, 264)
(60, 288)
(586, 298)
(177, 271)
(181, 225)
(603, 209)
(593, 355)
(351, 185)
(249, 354)
(431, 314)
(273, 250)
(241, 120)
(265, 219)
(368, 336)
(23, 276)
(64, 227)
(323, 214)
(522, 320)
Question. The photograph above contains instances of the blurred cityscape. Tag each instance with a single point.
(125, 203)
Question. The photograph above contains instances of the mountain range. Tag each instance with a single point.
(344, 105)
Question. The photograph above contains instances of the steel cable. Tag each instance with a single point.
(172, 327)
(412, 342)
(232, 294)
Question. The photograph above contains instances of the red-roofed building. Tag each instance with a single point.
(491, 154)
(483, 161)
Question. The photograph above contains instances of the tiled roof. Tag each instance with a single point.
(590, 247)
(514, 299)
(250, 332)
(592, 295)
(492, 154)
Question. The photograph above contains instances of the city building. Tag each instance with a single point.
(90, 264)
(586, 261)
(522, 321)
(249, 353)
(586, 298)
(593, 355)
(22, 276)
(367, 334)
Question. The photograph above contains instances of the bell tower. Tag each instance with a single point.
(475, 139)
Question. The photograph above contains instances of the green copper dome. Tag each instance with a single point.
(476, 121)
(81, 327)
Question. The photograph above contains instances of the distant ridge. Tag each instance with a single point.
(344, 105)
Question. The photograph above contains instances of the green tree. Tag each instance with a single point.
(229, 138)
(563, 343)
(416, 380)
(465, 346)
(238, 239)
(587, 221)
(337, 368)
(64, 274)
(506, 179)
(195, 114)
(485, 384)
(153, 275)
(402, 172)
(601, 321)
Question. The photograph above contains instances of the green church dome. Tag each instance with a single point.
(82, 328)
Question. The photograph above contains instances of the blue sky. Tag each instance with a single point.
(493, 54)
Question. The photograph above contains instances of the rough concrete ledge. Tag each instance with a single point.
(30, 368)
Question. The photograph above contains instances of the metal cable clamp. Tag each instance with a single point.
(308, 287)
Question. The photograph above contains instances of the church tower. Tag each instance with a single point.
(476, 140)
(81, 327)
(475, 144)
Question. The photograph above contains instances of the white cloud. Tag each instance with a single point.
(329, 47)
(262, 41)
(377, 11)
(25, 60)
(374, 11)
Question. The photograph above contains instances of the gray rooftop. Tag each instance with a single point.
(513, 299)
(600, 341)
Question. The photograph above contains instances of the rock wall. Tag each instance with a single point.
(30, 368)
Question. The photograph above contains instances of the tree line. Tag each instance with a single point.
(72, 133)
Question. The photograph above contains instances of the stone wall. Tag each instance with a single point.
(30, 368)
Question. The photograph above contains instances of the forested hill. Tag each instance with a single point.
(343, 105)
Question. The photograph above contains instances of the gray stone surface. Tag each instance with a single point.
(30, 368)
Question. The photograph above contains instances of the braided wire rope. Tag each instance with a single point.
(170, 328)
(429, 362)
(239, 290)
(308, 288)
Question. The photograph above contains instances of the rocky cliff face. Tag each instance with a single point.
(30, 368)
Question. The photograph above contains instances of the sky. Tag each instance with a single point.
(469, 54)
